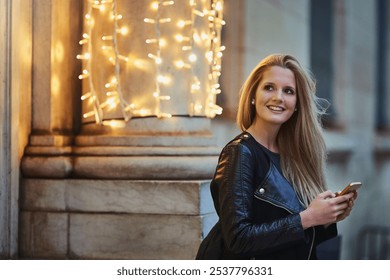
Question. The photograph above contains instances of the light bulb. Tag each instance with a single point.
(123, 30)
(192, 57)
(86, 95)
(156, 58)
(107, 38)
(149, 20)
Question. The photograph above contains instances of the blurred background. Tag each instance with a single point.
(346, 46)
(85, 183)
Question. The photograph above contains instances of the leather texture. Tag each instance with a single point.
(258, 209)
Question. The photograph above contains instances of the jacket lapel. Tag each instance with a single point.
(277, 190)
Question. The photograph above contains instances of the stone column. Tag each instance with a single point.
(15, 95)
(5, 109)
(140, 191)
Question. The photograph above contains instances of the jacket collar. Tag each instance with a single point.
(278, 191)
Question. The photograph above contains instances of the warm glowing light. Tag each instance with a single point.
(198, 108)
(162, 42)
(197, 38)
(117, 17)
(209, 56)
(182, 64)
(198, 13)
(151, 41)
(218, 6)
(84, 75)
(215, 91)
(195, 87)
(165, 115)
(86, 95)
(122, 57)
(112, 102)
(114, 123)
(182, 23)
(105, 48)
(149, 20)
(83, 41)
(164, 97)
(157, 59)
(167, 3)
(83, 56)
(89, 114)
(141, 64)
(107, 38)
(143, 112)
(123, 30)
(215, 108)
(154, 5)
(130, 107)
(111, 93)
(112, 83)
(192, 57)
(180, 38)
(195, 35)
(165, 20)
(163, 79)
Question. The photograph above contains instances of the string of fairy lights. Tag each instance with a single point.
(193, 41)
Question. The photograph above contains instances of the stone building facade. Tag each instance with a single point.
(75, 191)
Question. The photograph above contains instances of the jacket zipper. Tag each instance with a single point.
(314, 230)
(274, 204)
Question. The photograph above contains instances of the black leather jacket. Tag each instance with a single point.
(258, 209)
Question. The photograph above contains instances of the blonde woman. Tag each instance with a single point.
(269, 186)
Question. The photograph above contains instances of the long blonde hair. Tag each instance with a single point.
(300, 140)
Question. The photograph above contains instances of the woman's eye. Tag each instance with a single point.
(289, 91)
(268, 87)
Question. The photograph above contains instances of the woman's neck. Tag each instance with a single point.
(265, 136)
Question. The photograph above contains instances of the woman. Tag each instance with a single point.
(269, 186)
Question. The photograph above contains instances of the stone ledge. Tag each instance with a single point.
(134, 236)
(121, 151)
(109, 236)
(151, 126)
(117, 196)
(50, 140)
(187, 140)
(120, 167)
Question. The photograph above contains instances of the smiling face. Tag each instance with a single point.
(275, 97)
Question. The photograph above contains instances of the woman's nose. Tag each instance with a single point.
(278, 95)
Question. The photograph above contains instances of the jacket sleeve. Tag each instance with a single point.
(324, 234)
(234, 180)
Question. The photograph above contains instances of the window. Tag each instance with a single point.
(321, 19)
(383, 88)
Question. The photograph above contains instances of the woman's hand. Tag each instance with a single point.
(351, 203)
(327, 208)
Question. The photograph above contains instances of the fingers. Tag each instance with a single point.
(347, 211)
(344, 214)
(343, 198)
(327, 194)
(329, 208)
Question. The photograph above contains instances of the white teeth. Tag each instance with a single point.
(275, 108)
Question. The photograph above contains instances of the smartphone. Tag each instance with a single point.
(351, 187)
